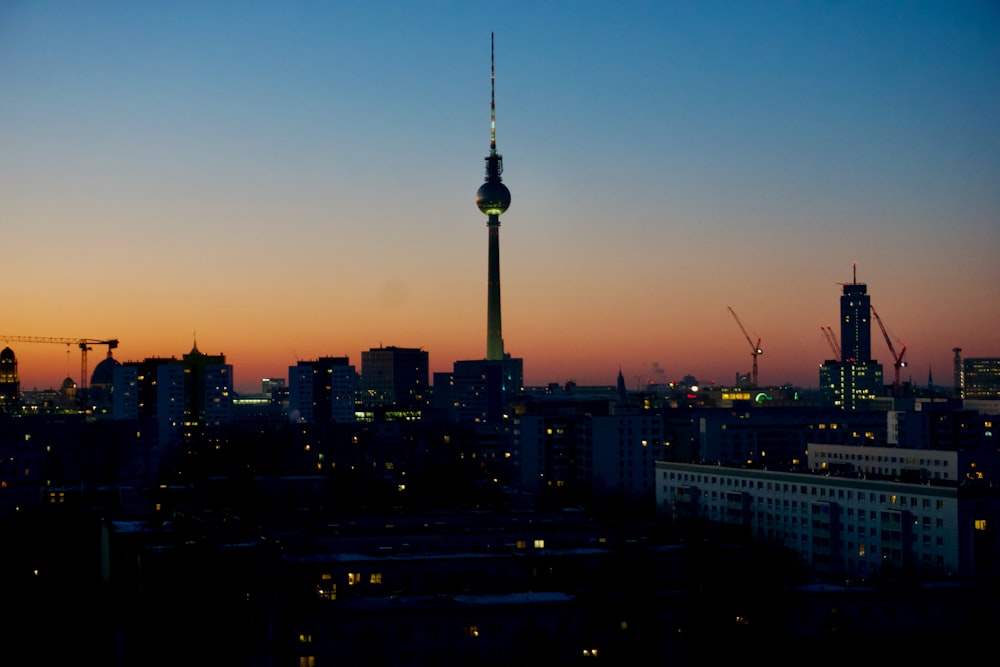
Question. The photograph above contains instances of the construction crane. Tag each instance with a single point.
(897, 359)
(755, 350)
(831, 338)
(83, 343)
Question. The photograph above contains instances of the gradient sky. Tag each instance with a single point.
(286, 180)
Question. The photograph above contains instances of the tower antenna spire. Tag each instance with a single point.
(493, 104)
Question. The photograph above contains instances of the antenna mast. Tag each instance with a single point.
(493, 104)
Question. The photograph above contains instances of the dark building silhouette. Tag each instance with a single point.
(855, 322)
(856, 380)
(322, 390)
(100, 395)
(395, 380)
(10, 384)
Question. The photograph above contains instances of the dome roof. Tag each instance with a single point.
(7, 354)
(104, 371)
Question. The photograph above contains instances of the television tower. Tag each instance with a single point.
(493, 198)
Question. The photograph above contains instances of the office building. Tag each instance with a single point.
(856, 380)
(981, 378)
(322, 390)
(395, 381)
(10, 384)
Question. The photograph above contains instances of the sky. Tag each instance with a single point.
(279, 181)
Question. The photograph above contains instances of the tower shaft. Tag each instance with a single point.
(494, 328)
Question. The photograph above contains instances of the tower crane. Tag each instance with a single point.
(755, 349)
(83, 343)
(831, 338)
(897, 359)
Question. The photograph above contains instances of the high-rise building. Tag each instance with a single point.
(10, 384)
(853, 382)
(855, 322)
(208, 388)
(322, 390)
(395, 378)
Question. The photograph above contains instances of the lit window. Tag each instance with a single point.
(375, 578)
(470, 630)
(353, 578)
(539, 544)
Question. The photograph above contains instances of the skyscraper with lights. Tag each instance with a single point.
(855, 380)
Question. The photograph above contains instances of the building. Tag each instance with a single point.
(846, 526)
(322, 390)
(852, 385)
(855, 322)
(981, 378)
(101, 392)
(479, 390)
(208, 388)
(854, 381)
(10, 384)
(395, 381)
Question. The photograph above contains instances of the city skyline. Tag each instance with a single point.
(283, 183)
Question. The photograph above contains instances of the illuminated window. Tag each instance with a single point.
(539, 544)
(980, 524)
(305, 639)
(307, 661)
(326, 589)
(521, 544)
(470, 630)
(375, 578)
(353, 578)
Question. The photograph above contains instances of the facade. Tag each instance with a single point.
(981, 378)
(855, 323)
(322, 390)
(479, 390)
(842, 527)
(930, 466)
(10, 384)
(395, 378)
(851, 385)
(856, 380)
(208, 391)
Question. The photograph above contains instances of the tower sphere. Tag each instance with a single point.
(493, 197)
